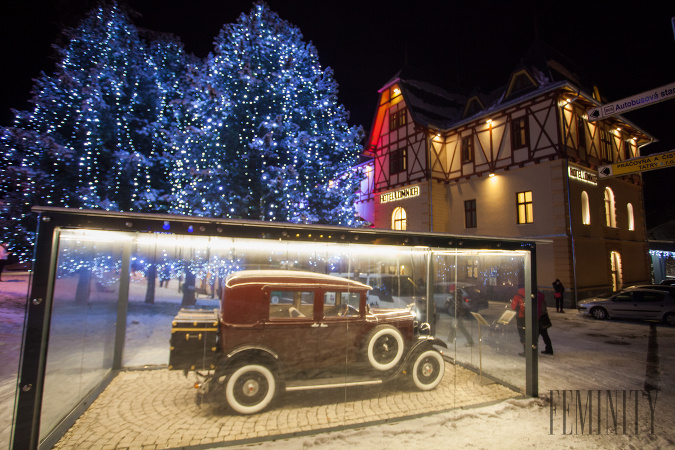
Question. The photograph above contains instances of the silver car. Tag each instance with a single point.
(632, 303)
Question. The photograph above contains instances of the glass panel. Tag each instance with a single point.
(249, 319)
(466, 304)
(82, 328)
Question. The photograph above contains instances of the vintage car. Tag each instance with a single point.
(289, 331)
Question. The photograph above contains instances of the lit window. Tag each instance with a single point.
(399, 219)
(519, 132)
(627, 149)
(615, 261)
(397, 119)
(467, 149)
(610, 214)
(470, 214)
(525, 208)
(472, 268)
(606, 145)
(631, 217)
(585, 209)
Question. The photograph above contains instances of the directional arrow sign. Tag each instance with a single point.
(628, 104)
(651, 162)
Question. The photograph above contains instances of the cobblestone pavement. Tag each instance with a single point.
(155, 409)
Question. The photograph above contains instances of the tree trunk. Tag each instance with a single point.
(151, 277)
(189, 298)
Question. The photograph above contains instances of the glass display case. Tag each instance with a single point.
(217, 325)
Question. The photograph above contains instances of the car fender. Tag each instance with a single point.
(260, 352)
(427, 341)
(421, 344)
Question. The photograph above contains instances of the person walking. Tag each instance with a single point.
(544, 323)
(518, 304)
(558, 293)
(458, 312)
(4, 255)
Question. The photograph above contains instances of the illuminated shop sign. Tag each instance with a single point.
(408, 192)
(583, 175)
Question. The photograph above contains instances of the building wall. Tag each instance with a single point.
(574, 242)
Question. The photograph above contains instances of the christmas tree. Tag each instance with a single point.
(127, 123)
(285, 140)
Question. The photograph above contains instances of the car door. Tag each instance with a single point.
(341, 323)
(622, 305)
(291, 329)
(650, 304)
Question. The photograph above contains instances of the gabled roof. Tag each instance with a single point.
(429, 104)
(438, 105)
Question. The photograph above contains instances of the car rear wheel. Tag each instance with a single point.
(385, 347)
(428, 370)
(599, 313)
(669, 318)
(250, 389)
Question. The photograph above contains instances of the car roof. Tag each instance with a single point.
(291, 277)
(653, 287)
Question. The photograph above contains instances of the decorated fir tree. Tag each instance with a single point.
(285, 141)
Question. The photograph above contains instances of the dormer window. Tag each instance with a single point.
(520, 82)
(473, 107)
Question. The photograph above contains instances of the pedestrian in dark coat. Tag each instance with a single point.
(559, 294)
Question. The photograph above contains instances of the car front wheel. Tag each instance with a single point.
(250, 389)
(599, 313)
(385, 347)
(428, 370)
(669, 319)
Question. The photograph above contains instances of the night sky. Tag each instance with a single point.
(625, 50)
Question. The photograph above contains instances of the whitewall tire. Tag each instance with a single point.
(428, 370)
(250, 389)
(385, 347)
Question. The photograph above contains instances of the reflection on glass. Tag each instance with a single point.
(483, 283)
(172, 273)
(82, 328)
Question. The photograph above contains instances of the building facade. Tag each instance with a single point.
(519, 162)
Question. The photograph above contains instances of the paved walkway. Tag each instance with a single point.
(155, 409)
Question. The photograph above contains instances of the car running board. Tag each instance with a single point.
(329, 383)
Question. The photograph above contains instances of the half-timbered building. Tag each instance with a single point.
(517, 162)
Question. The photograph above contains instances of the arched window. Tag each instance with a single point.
(399, 219)
(631, 217)
(615, 260)
(585, 209)
(610, 213)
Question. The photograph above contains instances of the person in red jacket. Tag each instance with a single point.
(518, 304)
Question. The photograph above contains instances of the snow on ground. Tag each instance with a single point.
(589, 355)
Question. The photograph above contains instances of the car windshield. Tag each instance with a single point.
(399, 286)
(472, 291)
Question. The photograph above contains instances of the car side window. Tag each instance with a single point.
(291, 304)
(623, 297)
(336, 304)
(651, 297)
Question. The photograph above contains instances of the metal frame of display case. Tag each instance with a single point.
(30, 382)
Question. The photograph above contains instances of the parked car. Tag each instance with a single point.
(472, 297)
(399, 291)
(634, 303)
(284, 330)
(658, 287)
